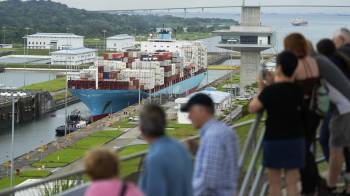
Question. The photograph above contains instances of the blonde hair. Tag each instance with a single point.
(101, 164)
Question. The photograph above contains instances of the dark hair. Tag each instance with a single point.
(288, 62)
(101, 164)
(326, 47)
(202, 100)
(152, 120)
(296, 43)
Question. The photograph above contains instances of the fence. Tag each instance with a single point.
(252, 180)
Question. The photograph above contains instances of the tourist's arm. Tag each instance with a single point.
(333, 75)
(255, 105)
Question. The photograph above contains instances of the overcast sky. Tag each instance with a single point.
(133, 4)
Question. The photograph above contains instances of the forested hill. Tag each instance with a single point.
(48, 16)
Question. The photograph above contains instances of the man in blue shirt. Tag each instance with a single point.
(168, 166)
(216, 167)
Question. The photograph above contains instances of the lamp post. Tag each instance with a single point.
(50, 66)
(3, 35)
(104, 39)
(13, 96)
(25, 49)
(139, 88)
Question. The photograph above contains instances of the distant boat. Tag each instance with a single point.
(299, 22)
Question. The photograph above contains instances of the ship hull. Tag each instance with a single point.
(104, 102)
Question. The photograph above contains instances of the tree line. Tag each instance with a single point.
(48, 16)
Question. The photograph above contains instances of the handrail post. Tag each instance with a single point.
(251, 136)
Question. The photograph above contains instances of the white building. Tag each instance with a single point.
(54, 41)
(120, 42)
(74, 57)
(220, 99)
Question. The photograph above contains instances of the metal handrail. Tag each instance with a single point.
(124, 158)
(251, 168)
(250, 139)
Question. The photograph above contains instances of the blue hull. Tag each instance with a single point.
(102, 102)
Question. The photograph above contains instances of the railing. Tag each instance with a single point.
(75, 181)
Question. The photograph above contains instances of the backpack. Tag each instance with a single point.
(319, 101)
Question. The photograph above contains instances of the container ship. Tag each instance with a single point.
(162, 66)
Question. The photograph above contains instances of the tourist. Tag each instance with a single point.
(284, 142)
(102, 167)
(307, 75)
(342, 41)
(216, 166)
(168, 166)
(334, 125)
(327, 48)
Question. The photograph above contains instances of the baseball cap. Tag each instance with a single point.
(198, 99)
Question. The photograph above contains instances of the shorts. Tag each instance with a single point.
(284, 154)
(340, 130)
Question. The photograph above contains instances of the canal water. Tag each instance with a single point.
(20, 78)
(31, 135)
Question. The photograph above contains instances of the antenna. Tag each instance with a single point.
(243, 3)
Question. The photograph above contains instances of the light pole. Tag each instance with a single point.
(13, 96)
(104, 39)
(50, 67)
(25, 48)
(139, 88)
(3, 35)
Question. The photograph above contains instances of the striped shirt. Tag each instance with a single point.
(216, 167)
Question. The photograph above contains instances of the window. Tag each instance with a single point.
(249, 39)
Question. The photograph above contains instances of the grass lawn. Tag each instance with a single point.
(246, 118)
(20, 51)
(193, 36)
(21, 65)
(130, 166)
(61, 96)
(222, 67)
(5, 182)
(61, 157)
(180, 131)
(106, 133)
(56, 84)
(35, 173)
(233, 80)
(123, 123)
(24, 175)
(90, 142)
(72, 153)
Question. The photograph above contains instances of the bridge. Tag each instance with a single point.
(226, 6)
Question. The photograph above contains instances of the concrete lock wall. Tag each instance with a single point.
(250, 66)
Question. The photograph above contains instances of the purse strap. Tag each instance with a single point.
(123, 189)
